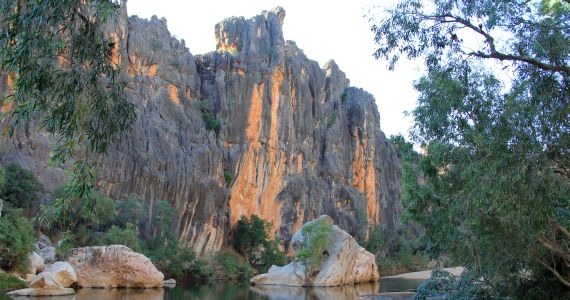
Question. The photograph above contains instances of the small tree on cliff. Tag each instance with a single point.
(493, 186)
(63, 73)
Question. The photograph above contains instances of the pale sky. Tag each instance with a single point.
(323, 29)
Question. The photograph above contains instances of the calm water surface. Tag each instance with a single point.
(227, 291)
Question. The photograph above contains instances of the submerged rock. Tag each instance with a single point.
(346, 262)
(113, 266)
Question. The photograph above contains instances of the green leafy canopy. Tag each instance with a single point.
(61, 63)
(492, 187)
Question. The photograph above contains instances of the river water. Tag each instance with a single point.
(230, 291)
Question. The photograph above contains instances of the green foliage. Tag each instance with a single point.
(316, 240)
(155, 44)
(362, 221)
(68, 241)
(21, 187)
(16, 239)
(494, 177)
(253, 241)
(332, 118)
(250, 234)
(443, 283)
(228, 176)
(2, 182)
(212, 123)
(67, 212)
(65, 77)
(163, 217)
(126, 236)
(271, 255)
(10, 283)
(344, 96)
(231, 266)
(132, 209)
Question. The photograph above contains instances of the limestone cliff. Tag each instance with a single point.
(294, 138)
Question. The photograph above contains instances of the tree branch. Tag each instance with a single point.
(558, 276)
(493, 53)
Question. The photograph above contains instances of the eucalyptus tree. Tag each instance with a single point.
(493, 117)
(63, 79)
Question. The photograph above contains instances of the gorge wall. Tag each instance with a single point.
(294, 141)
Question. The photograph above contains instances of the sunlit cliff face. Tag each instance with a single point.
(297, 140)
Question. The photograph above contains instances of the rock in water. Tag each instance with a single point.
(346, 263)
(35, 263)
(113, 266)
(57, 275)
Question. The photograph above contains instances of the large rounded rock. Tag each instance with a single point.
(35, 263)
(57, 275)
(113, 266)
(345, 262)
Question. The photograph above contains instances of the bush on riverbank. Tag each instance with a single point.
(10, 283)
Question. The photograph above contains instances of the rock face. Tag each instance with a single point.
(113, 266)
(346, 262)
(297, 140)
(57, 275)
(47, 253)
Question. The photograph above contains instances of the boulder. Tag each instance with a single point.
(57, 275)
(345, 262)
(47, 252)
(35, 263)
(45, 240)
(113, 266)
(170, 282)
(41, 292)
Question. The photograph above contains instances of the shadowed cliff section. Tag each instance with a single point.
(254, 127)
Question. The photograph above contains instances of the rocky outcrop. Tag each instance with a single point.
(296, 138)
(35, 263)
(345, 262)
(57, 275)
(113, 266)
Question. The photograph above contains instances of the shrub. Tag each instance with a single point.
(231, 267)
(16, 239)
(271, 255)
(228, 177)
(2, 181)
(251, 234)
(316, 240)
(344, 96)
(10, 283)
(132, 209)
(331, 119)
(212, 123)
(126, 236)
(21, 186)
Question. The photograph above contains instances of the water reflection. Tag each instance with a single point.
(229, 291)
(273, 292)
